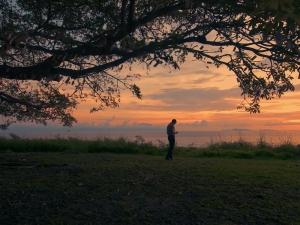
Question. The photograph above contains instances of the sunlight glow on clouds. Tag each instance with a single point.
(200, 98)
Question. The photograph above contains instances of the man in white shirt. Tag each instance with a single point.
(171, 137)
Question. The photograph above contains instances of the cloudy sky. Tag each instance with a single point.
(200, 98)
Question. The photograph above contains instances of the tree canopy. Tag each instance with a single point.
(54, 53)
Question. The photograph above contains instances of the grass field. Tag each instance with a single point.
(238, 149)
(100, 188)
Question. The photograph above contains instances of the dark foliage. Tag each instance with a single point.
(53, 53)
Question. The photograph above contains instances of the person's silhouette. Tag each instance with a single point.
(171, 137)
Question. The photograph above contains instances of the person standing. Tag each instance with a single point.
(171, 137)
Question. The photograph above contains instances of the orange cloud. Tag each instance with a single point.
(194, 93)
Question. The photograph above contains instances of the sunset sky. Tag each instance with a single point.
(199, 95)
(200, 98)
(203, 99)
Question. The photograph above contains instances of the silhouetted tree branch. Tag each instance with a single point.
(54, 53)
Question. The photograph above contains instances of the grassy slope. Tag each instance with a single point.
(65, 188)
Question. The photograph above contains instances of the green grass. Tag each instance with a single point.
(239, 149)
(103, 188)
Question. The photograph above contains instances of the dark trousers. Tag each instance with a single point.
(171, 139)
